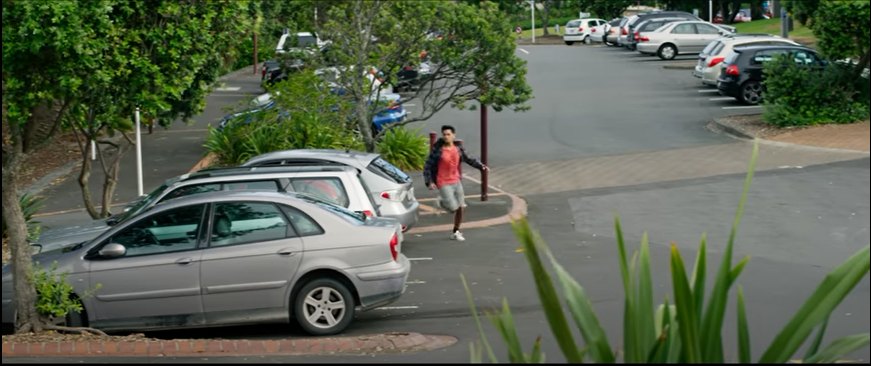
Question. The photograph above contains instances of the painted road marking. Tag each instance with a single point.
(721, 98)
(707, 91)
(744, 107)
(228, 88)
(421, 259)
(396, 307)
(415, 282)
(409, 105)
(524, 51)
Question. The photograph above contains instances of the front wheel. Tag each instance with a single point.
(569, 43)
(667, 52)
(751, 93)
(588, 40)
(324, 306)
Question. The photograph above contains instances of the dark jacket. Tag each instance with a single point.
(431, 168)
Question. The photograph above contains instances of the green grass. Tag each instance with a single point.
(799, 33)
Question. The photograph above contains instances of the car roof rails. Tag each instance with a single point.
(221, 172)
(733, 35)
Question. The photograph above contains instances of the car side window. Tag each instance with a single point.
(683, 29)
(304, 224)
(805, 58)
(329, 189)
(247, 222)
(258, 185)
(763, 56)
(707, 29)
(169, 231)
(192, 189)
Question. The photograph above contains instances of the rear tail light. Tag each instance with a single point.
(394, 243)
(643, 39)
(635, 34)
(624, 31)
(392, 194)
(368, 213)
(715, 61)
(733, 70)
(593, 30)
(580, 29)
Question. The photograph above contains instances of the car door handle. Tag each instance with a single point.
(184, 261)
(286, 252)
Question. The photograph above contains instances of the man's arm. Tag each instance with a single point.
(475, 163)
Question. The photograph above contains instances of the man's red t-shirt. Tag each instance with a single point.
(449, 166)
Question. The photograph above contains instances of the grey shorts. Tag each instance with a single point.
(452, 197)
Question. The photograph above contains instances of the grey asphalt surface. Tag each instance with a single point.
(798, 223)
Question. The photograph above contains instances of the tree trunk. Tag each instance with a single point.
(756, 9)
(84, 179)
(111, 179)
(863, 63)
(736, 7)
(25, 293)
(365, 123)
(544, 16)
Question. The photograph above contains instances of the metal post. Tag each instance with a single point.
(711, 11)
(93, 150)
(784, 18)
(484, 173)
(255, 53)
(532, 8)
(138, 155)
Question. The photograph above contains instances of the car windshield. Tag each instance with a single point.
(385, 169)
(305, 41)
(145, 201)
(354, 217)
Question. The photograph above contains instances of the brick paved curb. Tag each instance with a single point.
(380, 343)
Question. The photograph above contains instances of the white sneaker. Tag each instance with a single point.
(458, 236)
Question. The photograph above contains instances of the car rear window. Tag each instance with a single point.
(718, 48)
(731, 57)
(383, 168)
(710, 48)
(573, 23)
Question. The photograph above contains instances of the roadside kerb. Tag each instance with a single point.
(396, 342)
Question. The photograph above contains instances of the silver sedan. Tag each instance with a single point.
(677, 38)
(232, 258)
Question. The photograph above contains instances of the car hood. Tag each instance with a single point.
(62, 237)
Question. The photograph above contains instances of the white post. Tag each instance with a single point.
(711, 11)
(93, 150)
(138, 155)
(532, 8)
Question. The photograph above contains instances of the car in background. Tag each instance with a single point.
(610, 32)
(681, 37)
(390, 187)
(579, 30)
(645, 26)
(340, 185)
(741, 73)
(632, 24)
(254, 112)
(708, 67)
(231, 258)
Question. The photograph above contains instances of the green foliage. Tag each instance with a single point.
(405, 148)
(802, 10)
(689, 330)
(30, 205)
(842, 28)
(606, 9)
(54, 294)
(800, 95)
(527, 23)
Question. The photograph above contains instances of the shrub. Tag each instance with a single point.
(29, 206)
(54, 294)
(800, 96)
(407, 149)
(688, 331)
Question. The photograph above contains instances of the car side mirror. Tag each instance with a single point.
(35, 248)
(112, 250)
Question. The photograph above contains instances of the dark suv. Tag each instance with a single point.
(741, 74)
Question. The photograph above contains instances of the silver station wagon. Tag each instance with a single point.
(228, 258)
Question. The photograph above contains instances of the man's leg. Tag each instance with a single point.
(458, 219)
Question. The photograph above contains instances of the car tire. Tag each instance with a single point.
(324, 306)
(751, 92)
(588, 40)
(569, 43)
(667, 51)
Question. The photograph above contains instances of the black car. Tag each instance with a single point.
(741, 74)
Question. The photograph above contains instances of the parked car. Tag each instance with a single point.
(611, 31)
(645, 26)
(680, 37)
(340, 185)
(623, 28)
(230, 258)
(708, 67)
(632, 24)
(578, 30)
(741, 73)
(390, 187)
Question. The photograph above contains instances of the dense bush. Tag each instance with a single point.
(798, 95)
(407, 149)
(527, 23)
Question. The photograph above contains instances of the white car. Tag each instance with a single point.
(579, 30)
(708, 67)
(677, 38)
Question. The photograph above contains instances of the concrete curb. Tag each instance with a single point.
(717, 125)
(395, 342)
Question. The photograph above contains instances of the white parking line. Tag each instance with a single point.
(421, 259)
(415, 282)
(396, 307)
(707, 91)
(721, 98)
(409, 105)
(228, 88)
(524, 51)
(744, 107)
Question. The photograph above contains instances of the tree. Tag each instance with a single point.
(841, 28)
(471, 49)
(606, 9)
(164, 58)
(802, 10)
(59, 38)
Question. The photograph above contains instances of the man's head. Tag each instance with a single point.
(448, 134)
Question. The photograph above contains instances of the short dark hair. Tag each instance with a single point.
(448, 127)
